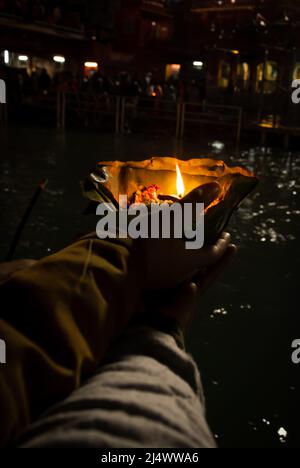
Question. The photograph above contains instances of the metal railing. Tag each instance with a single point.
(210, 114)
(139, 111)
(82, 109)
(123, 114)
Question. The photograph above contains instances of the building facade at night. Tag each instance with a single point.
(243, 53)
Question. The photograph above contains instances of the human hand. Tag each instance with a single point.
(180, 304)
(166, 263)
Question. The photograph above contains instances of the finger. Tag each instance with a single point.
(205, 280)
(226, 236)
(206, 194)
(186, 299)
(211, 254)
(182, 305)
(189, 303)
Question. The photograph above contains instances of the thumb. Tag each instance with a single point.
(206, 194)
(183, 305)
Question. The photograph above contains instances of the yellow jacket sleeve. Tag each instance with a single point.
(57, 319)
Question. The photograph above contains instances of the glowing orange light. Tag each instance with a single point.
(179, 183)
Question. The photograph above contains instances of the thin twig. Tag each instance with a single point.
(41, 187)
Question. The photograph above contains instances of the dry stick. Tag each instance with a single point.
(41, 187)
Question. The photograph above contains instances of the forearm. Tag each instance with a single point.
(59, 318)
(148, 394)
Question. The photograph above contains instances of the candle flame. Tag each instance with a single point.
(180, 184)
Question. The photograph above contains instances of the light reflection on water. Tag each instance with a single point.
(239, 337)
(270, 219)
(266, 228)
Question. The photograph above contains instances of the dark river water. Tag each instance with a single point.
(245, 325)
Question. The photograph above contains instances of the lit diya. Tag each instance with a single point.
(167, 180)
